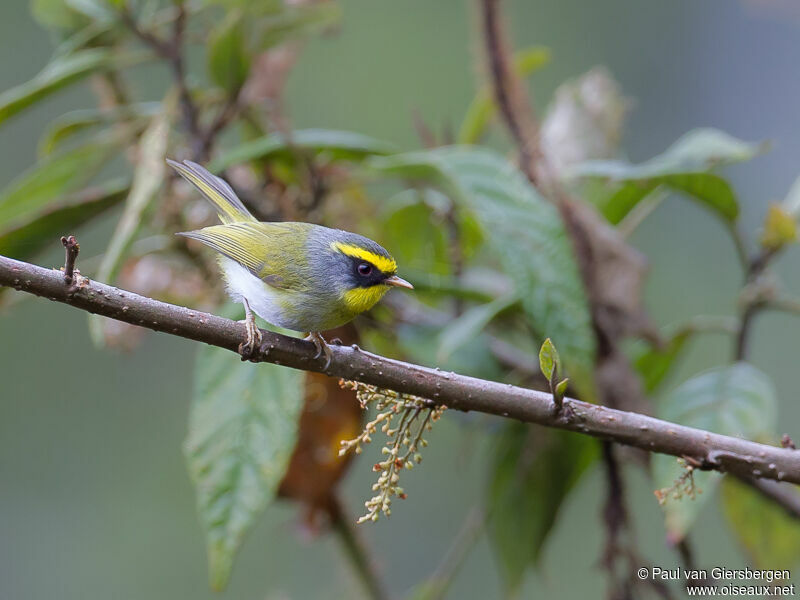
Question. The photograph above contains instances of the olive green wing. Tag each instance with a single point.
(273, 252)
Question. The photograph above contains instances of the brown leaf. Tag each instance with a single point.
(330, 415)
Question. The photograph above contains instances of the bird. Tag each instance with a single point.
(299, 276)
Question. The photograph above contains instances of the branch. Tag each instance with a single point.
(710, 450)
(171, 50)
(71, 249)
(756, 302)
(509, 93)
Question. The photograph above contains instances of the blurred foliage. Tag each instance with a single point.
(242, 431)
(495, 268)
(685, 167)
(770, 536)
(737, 400)
(528, 241)
(536, 470)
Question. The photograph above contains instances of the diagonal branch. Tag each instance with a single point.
(709, 450)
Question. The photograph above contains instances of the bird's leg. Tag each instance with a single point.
(253, 341)
(321, 346)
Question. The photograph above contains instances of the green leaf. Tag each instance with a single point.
(96, 10)
(253, 7)
(737, 400)
(78, 121)
(533, 471)
(482, 109)
(339, 145)
(685, 167)
(654, 363)
(526, 235)
(228, 58)
(548, 359)
(295, 22)
(770, 536)
(57, 14)
(420, 344)
(60, 217)
(779, 228)
(61, 72)
(147, 181)
(418, 243)
(464, 329)
(242, 431)
(40, 189)
(561, 388)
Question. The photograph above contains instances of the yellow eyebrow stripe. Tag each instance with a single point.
(387, 265)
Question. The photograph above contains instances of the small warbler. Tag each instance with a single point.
(300, 276)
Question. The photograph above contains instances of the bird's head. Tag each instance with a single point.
(364, 270)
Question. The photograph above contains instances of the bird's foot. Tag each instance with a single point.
(250, 346)
(322, 348)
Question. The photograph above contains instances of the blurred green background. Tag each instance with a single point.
(95, 501)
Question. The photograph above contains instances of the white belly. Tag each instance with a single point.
(263, 299)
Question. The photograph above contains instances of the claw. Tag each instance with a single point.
(322, 348)
(249, 347)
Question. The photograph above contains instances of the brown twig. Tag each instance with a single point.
(171, 50)
(509, 93)
(71, 248)
(615, 517)
(460, 392)
(754, 270)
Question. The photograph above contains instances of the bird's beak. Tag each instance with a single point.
(396, 281)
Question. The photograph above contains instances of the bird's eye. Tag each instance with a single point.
(365, 269)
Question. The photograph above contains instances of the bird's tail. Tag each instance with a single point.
(216, 190)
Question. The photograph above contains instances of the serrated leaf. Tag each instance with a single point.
(548, 359)
(533, 471)
(685, 167)
(482, 109)
(779, 229)
(61, 72)
(339, 145)
(769, 535)
(228, 58)
(42, 188)
(526, 235)
(737, 400)
(74, 122)
(60, 217)
(470, 324)
(242, 431)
